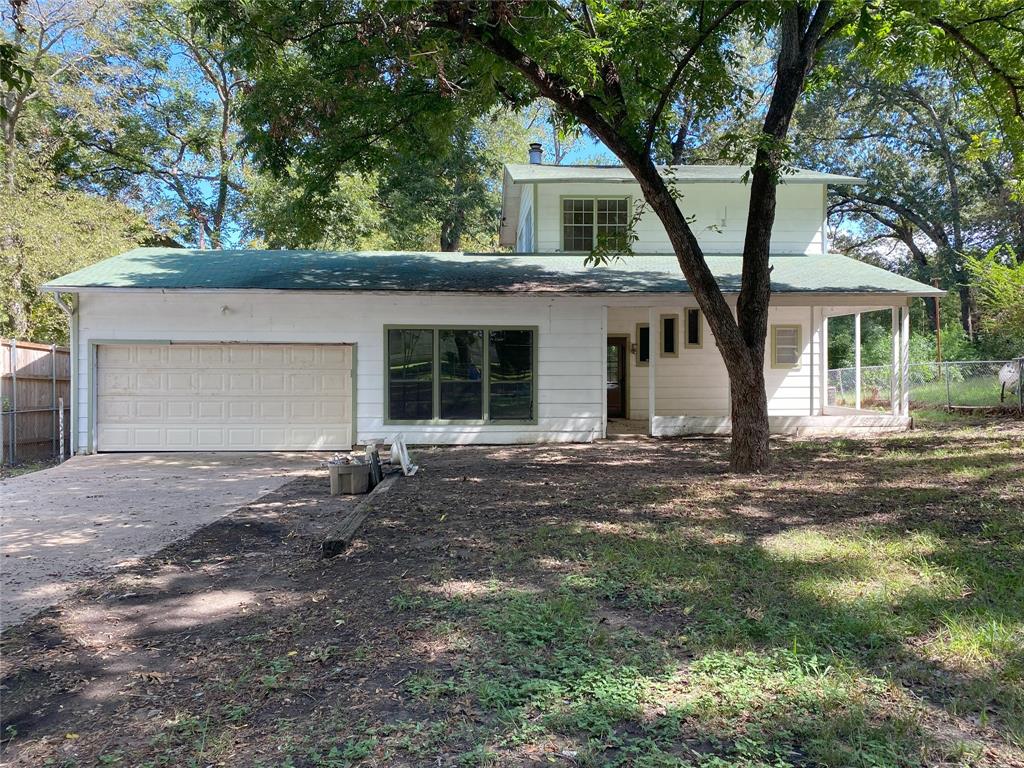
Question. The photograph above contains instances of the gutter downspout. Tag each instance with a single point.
(72, 314)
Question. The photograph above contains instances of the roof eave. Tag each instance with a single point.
(468, 292)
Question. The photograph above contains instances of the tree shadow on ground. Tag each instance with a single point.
(628, 603)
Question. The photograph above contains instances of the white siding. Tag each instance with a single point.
(719, 213)
(525, 230)
(570, 347)
(696, 382)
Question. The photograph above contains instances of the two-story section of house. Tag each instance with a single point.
(662, 364)
(177, 350)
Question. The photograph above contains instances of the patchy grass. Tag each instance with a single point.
(860, 604)
(24, 468)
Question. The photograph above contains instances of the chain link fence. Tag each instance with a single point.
(991, 384)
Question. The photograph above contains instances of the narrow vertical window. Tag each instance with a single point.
(643, 344)
(669, 335)
(461, 360)
(410, 374)
(510, 375)
(786, 346)
(694, 329)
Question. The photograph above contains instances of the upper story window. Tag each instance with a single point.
(589, 222)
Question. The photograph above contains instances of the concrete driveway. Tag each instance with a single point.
(93, 513)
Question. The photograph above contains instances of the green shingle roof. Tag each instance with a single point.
(177, 269)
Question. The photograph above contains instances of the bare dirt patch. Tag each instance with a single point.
(431, 640)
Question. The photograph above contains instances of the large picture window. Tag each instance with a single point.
(410, 374)
(589, 222)
(510, 372)
(461, 374)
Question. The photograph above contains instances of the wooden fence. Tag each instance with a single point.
(33, 380)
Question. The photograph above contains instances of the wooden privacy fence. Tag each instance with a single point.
(34, 385)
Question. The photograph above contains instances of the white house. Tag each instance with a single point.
(177, 350)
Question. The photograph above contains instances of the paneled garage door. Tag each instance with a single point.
(230, 397)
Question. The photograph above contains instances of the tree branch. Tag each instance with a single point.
(673, 81)
(1013, 86)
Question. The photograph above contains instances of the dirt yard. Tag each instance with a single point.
(626, 603)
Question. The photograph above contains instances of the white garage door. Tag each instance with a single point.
(228, 397)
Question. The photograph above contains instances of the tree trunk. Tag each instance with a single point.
(454, 224)
(749, 410)
(743, 360)
(451, 235)
(967, 311)
(19, 314)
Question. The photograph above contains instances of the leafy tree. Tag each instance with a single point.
(50, 232)
(448, 200)
(45, 53)
(156, 124)
(48, 45)
(999, 279)
(282, 213)
(333, 80)
(941, 176)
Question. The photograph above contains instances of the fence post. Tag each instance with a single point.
(60, 425)
(53, 397)
(12, 417)
(949, 403)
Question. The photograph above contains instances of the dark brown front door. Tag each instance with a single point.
(617, 377)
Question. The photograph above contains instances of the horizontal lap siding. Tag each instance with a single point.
(696, 383)
(570, 347)
(798, 224)
(789, 389)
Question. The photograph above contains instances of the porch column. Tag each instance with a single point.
(815, 334)
(823, 363)
(654, 341)
(856, 360)
(894, 375)
(905, 362)
(604, 371)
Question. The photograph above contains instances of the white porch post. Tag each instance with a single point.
(856, 360)
(894, 377)
(654, 341)
(604, 371)
(824, 363)
(905, 361)
(815, 332)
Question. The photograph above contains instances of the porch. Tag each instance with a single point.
(665, 376)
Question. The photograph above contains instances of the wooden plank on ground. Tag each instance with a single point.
(337, 541)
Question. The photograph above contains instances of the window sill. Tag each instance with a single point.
(460, 423)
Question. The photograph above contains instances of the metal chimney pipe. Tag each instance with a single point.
(536, 153)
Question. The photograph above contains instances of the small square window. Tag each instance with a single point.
(786, 347)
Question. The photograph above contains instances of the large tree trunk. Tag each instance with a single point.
(748, 407)
(451, 234)
(743, 360)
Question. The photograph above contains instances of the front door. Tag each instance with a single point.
(617, 377)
